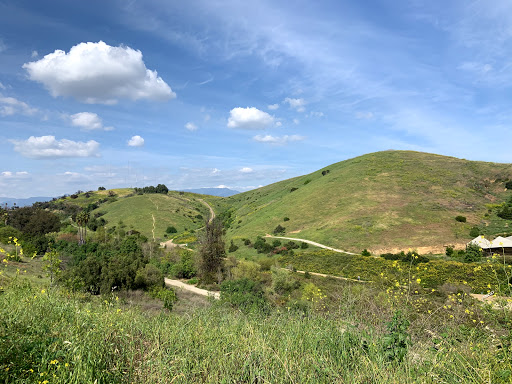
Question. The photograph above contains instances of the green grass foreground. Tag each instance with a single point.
(58, 337)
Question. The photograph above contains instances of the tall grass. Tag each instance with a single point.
(60, 337)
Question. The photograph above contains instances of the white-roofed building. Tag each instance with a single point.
(498, 245)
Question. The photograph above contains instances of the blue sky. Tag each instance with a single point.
(242, 94)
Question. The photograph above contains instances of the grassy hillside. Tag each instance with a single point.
(150, 214)
(389, 200)
(155, 212)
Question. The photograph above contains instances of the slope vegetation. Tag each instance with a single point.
(382, 201)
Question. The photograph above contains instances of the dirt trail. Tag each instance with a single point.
(212, 212)
(335, 277)
(312, 243)
(492, 300)
(191, 288)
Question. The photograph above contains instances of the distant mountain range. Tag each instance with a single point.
(11, 201)
(221, 192)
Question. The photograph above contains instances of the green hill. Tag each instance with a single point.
(149, 214)
(382, 201)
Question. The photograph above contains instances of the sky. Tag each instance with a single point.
(242, 94)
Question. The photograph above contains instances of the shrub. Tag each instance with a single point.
(101, 188)
(365, 253)
(276, 243)
(473, 253)
(449, 251)
(286, 219)
(232, 247)
(247, 242)
(279, 230)
(508, 184)
(243, 293)
(171, 229)
(475, 231)
(506, 212)
(149, 277)
(167, 295)
(304, 245)
(325, 172)
(461, 219)
(293, 189)
(283, 281)
(307, 181)
(246, 269)
(185, 268)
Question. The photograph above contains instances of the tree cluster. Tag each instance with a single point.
(160, 188)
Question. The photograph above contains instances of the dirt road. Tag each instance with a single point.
(191, 288)
(212, 213)
(312, 243)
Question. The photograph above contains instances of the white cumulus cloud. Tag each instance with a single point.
(45, 147)
(10, 106)
(136, 141)
(191, 126)
(88, 121)
(273, 107)
(279, 140)
(98, 73)
(249, 118)
(297, 104)
(246, 170)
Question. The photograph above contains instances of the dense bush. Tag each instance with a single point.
(506, 212)
(170, 229)
(460, 219)
(365, 253)
(508, 184)
(149, 277)
(293, 189)
(232, 247)
(473, 253)
(475, 231)
(244, 293)
(283, 281)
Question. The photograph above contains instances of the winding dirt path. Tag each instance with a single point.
(191, 288)
(212, 212)
(312, 243)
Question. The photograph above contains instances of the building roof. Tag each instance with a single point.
(499, 242)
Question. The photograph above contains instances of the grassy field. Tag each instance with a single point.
(53, 336)
(382, 201)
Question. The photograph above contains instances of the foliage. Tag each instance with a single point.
(506, 212)
(460, 219)
(279, 230)
(34, 221)
(475, 231)
(211, 251)
(149, 277)
(167, 295)
(397, 340)
(171, 229)
(52, 264)
(283, 281)
(473, 253)
(286, 219)
(247, 269)
(185, 268)
(314, 295)
(508, 184)
(449, 251)
(160, 188)
(365, 253)
(101, 188)
(304, 245)
(243, 293)
(232, 247)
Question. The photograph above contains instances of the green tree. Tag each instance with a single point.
(473, 253)
(211, 251)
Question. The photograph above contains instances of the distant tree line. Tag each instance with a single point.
(160, 188)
